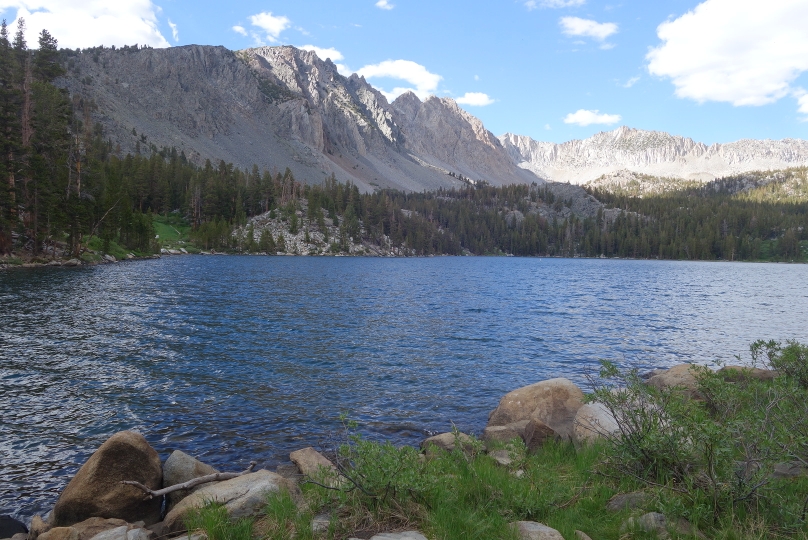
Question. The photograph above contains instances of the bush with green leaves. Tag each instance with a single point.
(717, 454)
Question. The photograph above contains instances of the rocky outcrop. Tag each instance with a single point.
(650, 152)
(553, 402)
(445, 441)
(241, 496)
(96, 490)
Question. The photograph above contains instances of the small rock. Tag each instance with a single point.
(503, 457)
(110, 258)
(530, 530)
(55, 263)
(536, 434)
(60, 533)
(130, 256)
(320, 523)
(95, 525)
(310, 462)
(38, 526)
(118, 533)
(650, 522)
(406, 535)
(183, 251)
(790, 469)
(72, 262)
(519, 474)
(20, 536)
(580, 535)
(506, 433)
(628, 501)
(446, 441)
(10, 526)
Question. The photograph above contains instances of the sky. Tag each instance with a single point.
(555, 70)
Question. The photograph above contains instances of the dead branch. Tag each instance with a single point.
(150, 494)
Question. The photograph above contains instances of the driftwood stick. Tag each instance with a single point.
(150, 493)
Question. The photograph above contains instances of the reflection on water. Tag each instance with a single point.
(241, 358)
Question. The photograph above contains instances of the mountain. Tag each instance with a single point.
(650, 153)
(279, 107)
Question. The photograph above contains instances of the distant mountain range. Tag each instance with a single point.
(278, 107)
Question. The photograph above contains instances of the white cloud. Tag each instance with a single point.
(89, 23)
(476, 77)
(384, 4)
(802, 102)
(631, 82)
(239, 30)
(533, 4)
(742, 52)
(575, 26)
(475, 99)
(174, 33)
(425, 83)
(547, 127)
(582, 117)
(270, 24)
(324, 54)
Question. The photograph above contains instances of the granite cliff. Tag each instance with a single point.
(650, 153)
(279, 107)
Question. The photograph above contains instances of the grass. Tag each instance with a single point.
(171, 229)
(470, 496)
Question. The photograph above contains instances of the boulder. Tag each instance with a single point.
(242, 496)
(530, 530)
(91, 527)
(445, 441)
(60, 533)
(742, 373)
(505, 433)
(593, 421)
(311, 462)
(660, 526)
(536, 434)
(580, 535)
(72, 262)
(10, 526)
(20, 536)
(96, 490)
(553, 402)
(179, 468)
(682, 376)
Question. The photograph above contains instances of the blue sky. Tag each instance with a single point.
(716, 70)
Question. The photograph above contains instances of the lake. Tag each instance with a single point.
(234, 359)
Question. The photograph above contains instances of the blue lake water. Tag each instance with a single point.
(239, 358)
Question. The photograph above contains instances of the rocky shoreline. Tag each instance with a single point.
(124, 491)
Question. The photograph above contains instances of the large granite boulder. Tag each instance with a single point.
(88, 528)
(505, 433)
(554, 402)
(178, 469)
(682, 377)
(446, 441)
(537, 433)
(242, 496)
(60, 533)
(593, 421)
(96, 490)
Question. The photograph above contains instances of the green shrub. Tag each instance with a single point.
(213, 519)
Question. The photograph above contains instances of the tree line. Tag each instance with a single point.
(64, 181)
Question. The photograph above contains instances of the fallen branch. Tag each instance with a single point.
(150, 493)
